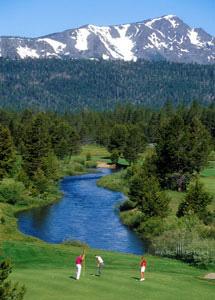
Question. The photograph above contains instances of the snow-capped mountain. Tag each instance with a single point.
(164, 38)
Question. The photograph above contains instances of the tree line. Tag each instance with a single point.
(32, 143)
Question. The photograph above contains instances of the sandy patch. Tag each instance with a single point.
(101, 164)
(210, 276)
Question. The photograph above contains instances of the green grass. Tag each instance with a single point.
(208, 179)
(209, 171)
(114, 182)
(94, 150)
(98, 153)
(175, 199)
(46, 271)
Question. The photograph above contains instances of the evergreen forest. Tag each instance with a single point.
(74, 85)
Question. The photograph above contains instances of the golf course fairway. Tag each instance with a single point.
(47, 272)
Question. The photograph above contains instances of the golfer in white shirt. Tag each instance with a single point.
(99, 264)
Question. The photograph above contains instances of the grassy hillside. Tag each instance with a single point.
(47, 271)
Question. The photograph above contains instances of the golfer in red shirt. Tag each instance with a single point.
(79, 260)
(142, 268)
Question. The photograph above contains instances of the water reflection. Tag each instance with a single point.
(85, 213)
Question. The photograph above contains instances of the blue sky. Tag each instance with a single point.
(33, 18)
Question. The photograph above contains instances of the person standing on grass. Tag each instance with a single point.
(79, 260)
(99, 264)
(143, 264)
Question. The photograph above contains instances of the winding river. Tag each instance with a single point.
(86, 213)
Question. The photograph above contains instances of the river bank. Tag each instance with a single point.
(172, 240)
(76, 165)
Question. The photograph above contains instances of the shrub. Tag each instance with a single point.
(78, 159)
(12, 191)
(114, 157)
(88, 156)
(151, 227)
(183, 242)
(132, 218)
(207, 232)
(40, 182)
(7, 289)
(211, 156)
(196, 201)
(144, 190)
(90, 164)
(78, 167)
(2, 220)
(127, 205)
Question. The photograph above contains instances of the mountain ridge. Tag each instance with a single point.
(163, 38)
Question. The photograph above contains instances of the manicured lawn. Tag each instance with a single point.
(47, 273)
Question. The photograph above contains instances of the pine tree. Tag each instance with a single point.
(37, 144)
(64, 139)
(135, 142)
(118, 139)
(196, 201)
(144, 190)
(182, 148)
(7, 151)
(7, 289)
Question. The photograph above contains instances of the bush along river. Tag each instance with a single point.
(86, 213)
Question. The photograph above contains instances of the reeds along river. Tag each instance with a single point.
(86, 213)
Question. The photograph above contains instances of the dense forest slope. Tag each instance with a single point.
(70, 85)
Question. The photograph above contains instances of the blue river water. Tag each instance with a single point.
(86, 213)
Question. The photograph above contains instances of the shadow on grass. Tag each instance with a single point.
(72, 277)
(135, 278)
(96, 275)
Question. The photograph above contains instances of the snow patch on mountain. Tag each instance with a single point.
(124, 44)
(156, 41)
(105, 57)
(81, 39)
(105, 37)
(171, 19)
(57, 46)
(119, 47)
(194, 38)
(151, 22)
(211, 43)
(211, 57)
(25, 52)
